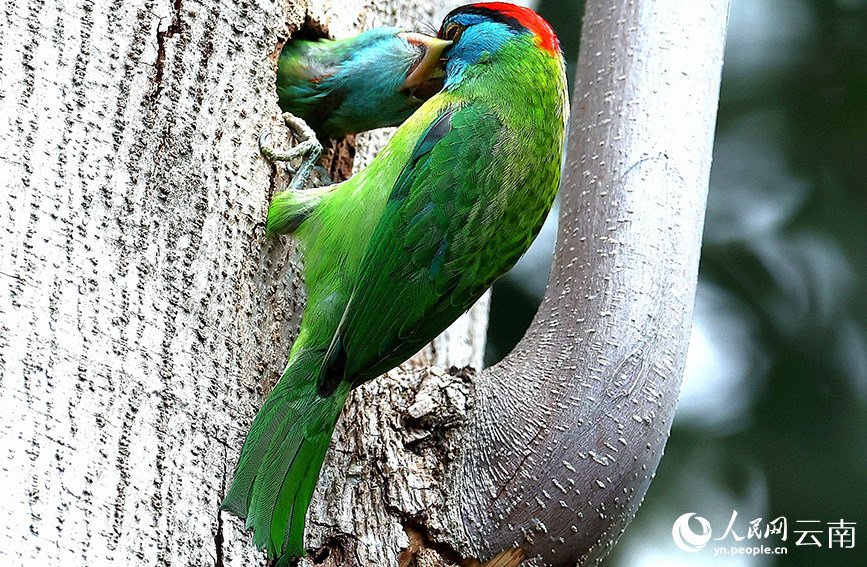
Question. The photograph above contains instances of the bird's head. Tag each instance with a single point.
(393, 66)
(480, 33)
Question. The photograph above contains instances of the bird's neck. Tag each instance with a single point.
(524, 83)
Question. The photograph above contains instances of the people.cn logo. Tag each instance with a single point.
(685, 538)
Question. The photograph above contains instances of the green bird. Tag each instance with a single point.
(396, 253)
(347, 86)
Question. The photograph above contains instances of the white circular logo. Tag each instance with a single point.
(685, 538)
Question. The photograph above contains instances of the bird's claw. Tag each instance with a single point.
(272, 154)
(308, 146)
(308, 149)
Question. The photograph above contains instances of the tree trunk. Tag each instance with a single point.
(144, 314)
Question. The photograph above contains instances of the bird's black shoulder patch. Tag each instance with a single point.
(435, 132)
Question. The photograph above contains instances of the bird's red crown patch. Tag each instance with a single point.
(529, 19)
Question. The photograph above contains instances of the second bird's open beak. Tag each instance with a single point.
(425, 67)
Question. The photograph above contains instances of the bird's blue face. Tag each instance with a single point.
(390, 74)
(474, 35)
(477, 38)
(479, 32)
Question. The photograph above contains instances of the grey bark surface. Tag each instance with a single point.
(144, 314)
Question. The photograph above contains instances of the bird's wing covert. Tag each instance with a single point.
(422, 269)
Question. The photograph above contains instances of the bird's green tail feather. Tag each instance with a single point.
(281, 458)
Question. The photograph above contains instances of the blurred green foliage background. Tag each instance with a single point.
(773, 414)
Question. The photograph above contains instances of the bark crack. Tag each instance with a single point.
(218, 538)
(173, 28)
(425, 551)
(218, 535)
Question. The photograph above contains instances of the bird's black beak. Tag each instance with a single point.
(425, 78)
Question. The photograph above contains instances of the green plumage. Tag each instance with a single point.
(395, 254)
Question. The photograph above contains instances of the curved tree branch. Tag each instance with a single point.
(568, 430)
(143, 314)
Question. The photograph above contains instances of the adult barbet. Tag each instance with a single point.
(396, 253)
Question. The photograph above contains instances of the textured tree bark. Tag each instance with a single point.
(143, 312)
(144, 315)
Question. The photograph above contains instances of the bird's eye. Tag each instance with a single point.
(453, 32)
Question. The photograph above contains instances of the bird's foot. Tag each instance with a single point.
(308, 146)
(308, 149)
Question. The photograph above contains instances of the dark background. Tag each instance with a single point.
(773, 414)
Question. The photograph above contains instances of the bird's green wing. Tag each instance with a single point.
(431, 254)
